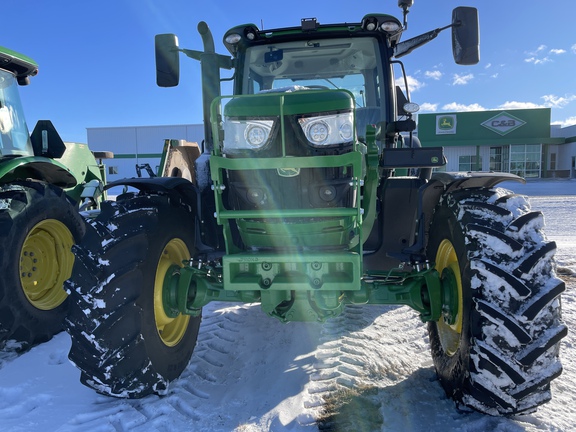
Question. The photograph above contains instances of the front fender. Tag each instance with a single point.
(444, 182)
(37, 168)
(461, 180)
(170, 185)
(210, 235)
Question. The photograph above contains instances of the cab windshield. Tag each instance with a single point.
(344, 63)
(14, 137)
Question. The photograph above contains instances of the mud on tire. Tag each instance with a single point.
(122, 342)
(502, 351)
(38, 226)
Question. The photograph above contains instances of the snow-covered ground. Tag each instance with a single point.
(252, 373)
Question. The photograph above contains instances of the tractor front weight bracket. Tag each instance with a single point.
(187, 289)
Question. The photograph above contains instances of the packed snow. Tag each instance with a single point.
(250, 372)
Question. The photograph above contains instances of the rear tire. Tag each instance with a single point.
(500, 352)
(122, 340)
(38, 226)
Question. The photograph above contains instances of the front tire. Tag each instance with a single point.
(496, 350)
(38, 227)
(122, 340)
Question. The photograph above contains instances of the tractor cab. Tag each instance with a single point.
(346, 63)
(345, 57)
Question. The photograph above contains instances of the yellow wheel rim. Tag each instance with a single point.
(170, 330)
(450, 334)
(46, 261)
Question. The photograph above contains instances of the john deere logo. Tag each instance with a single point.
(288, 172)
(503, 123)
(446, 124)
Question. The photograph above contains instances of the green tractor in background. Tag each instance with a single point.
(311, 192)
(43, 183)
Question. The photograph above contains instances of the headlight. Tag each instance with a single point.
(247, 134)
(328, 130)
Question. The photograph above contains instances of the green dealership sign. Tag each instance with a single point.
(485, 128)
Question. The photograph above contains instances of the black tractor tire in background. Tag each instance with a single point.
(122, 341)
(500, 351)
(38, 226)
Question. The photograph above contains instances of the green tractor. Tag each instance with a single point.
(311, 192)
(42, 183)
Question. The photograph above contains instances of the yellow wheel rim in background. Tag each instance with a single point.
(170, 330)
(46, 261)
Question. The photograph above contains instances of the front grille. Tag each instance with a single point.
(291, 188)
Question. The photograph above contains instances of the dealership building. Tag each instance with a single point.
(521, 142)
(517, 141)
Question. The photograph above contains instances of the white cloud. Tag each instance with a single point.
(494, 75)
(519, 105)
(413, 83)
(557, 51)
(538, 56)
(428, 107)
(436, 74)
(554, 101)
(570, 121)
(573, 48)
(537, 60)
(550, 101)
(488, 66)
(461, 79)
(455, 106)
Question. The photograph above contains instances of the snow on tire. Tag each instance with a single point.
(38, 226)
(122, 340)
(501, 351)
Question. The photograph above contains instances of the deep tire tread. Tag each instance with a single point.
(537, 304)
(535, 258)
(113, 343)
(490, 232)
(498, 315)
(519, 223)
(543, 344)
(484, 206)
(516, 284)
(501, 363)
(514, 294)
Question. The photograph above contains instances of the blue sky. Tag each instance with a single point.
(97, 57)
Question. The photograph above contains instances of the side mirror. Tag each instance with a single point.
(465, 36)
(167, 60)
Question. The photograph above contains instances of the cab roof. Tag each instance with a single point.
(20, 65)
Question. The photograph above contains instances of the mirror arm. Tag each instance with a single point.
(224, 62)
(410, 45)
(193, 54)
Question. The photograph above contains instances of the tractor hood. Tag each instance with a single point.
(289, 101)
(295, 121)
